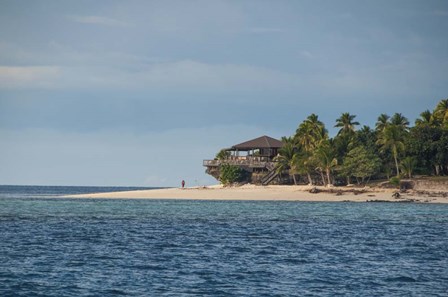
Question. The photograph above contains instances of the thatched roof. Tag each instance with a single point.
(263, 142)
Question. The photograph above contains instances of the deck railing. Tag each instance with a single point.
(253, 162)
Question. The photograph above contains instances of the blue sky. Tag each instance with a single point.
(139, 92)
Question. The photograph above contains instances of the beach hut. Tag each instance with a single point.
(256, 156)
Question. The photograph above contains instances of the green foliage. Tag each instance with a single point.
(399, 121)
(367, 138)
(325, 159)
(395, 181)
(230, 174)
(426, 119)
(222, 155)
(287, 157)
(382, 122)
(346, 123)
(441, 112)
(391, 147)
(361, 164)
(391, 138)
(429, 146)
(310, 133)
(408, 165)
(342, 144)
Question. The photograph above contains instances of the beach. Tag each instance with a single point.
(275, 193)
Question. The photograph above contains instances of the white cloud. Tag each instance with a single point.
(262, 30)
(98, 20)
(189, 73)
(179, 75)
(30, 76)
(306, 54)
(196, 18)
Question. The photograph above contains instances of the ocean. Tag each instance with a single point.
(85, 247)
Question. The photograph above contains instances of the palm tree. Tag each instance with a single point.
(407, 166)
(367, 137)
(392, 139)
(346, 123)
(325, 157)
(287, 159)
(382, 122)
(310, 132)
(317, 128)
(426, 119)
(304, 162)
(400, 121)
(441, 111)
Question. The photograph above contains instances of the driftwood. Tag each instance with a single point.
(388, 201)
(314, 190)
(337, 192)
(432, 194)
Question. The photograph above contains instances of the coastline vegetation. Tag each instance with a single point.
(230, 174)
(392, 149)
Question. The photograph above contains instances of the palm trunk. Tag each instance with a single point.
(395, 153)
(294, 178)
(396, 165)
(436, 167)
(310, 181)
(328, 176)
(322, 176)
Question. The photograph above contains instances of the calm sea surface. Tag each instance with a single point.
(68, 247)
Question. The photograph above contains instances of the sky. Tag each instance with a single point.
(138, 93)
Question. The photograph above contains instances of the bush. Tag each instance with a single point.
(222, 155)
(395, 181)
(230, 174)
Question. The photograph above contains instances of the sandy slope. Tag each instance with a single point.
(272, 193)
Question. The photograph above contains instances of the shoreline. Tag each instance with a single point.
(275, 193)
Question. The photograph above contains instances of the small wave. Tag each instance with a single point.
(401, 279)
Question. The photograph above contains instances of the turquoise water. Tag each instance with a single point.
(66, 247)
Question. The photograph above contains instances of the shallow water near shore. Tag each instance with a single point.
(73, 247)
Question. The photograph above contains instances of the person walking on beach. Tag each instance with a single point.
(183, 184)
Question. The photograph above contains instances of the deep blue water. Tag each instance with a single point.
(83, 247)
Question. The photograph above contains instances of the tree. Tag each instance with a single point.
(222, 155)
(392, 139)
(346, 123)
(310, 132)
(342, 143)
(423, 144)
(426, 119)
(408, 165)
(230, 174)
(400, 121)
(305, 164)
(442, 153)
(361, 164)
(441, 112)
(367, 138)
(325, 157)
(287, 159)
(382, 122)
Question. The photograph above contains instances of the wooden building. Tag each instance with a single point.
(255, 156)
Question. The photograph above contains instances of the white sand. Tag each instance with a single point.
(270, 193)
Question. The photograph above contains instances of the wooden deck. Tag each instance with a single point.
(251, 162)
